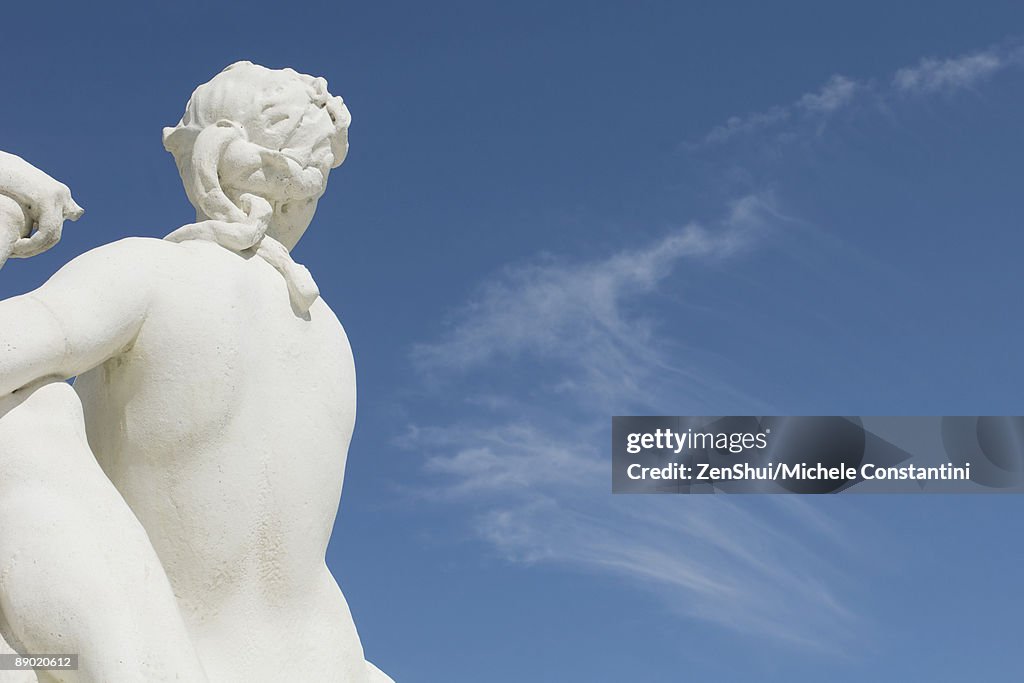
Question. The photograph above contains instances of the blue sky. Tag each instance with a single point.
(557, 212)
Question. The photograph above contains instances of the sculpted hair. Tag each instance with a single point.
(235, 103)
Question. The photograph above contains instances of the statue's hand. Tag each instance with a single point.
(44, 204)
(14, 225)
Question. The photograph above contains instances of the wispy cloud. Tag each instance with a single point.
(545, 353)
(835, 94)
(508, 457)
(707, 558)
(530, 309)
(582, 317)
(930, 76)
(741, 125)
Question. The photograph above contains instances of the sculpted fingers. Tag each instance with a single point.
(13, 224)
(72, 211)
(49, 227)
(45, 203)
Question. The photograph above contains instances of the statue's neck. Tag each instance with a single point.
(290, 221)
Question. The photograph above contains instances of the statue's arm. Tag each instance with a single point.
(88, 312)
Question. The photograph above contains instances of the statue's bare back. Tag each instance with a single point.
(235, 414)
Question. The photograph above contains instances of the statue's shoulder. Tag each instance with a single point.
(126, 263)
(133, 253)
(129, 249)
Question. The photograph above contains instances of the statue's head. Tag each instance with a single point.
(272, 133)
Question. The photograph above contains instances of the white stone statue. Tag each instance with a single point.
(167, 518)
